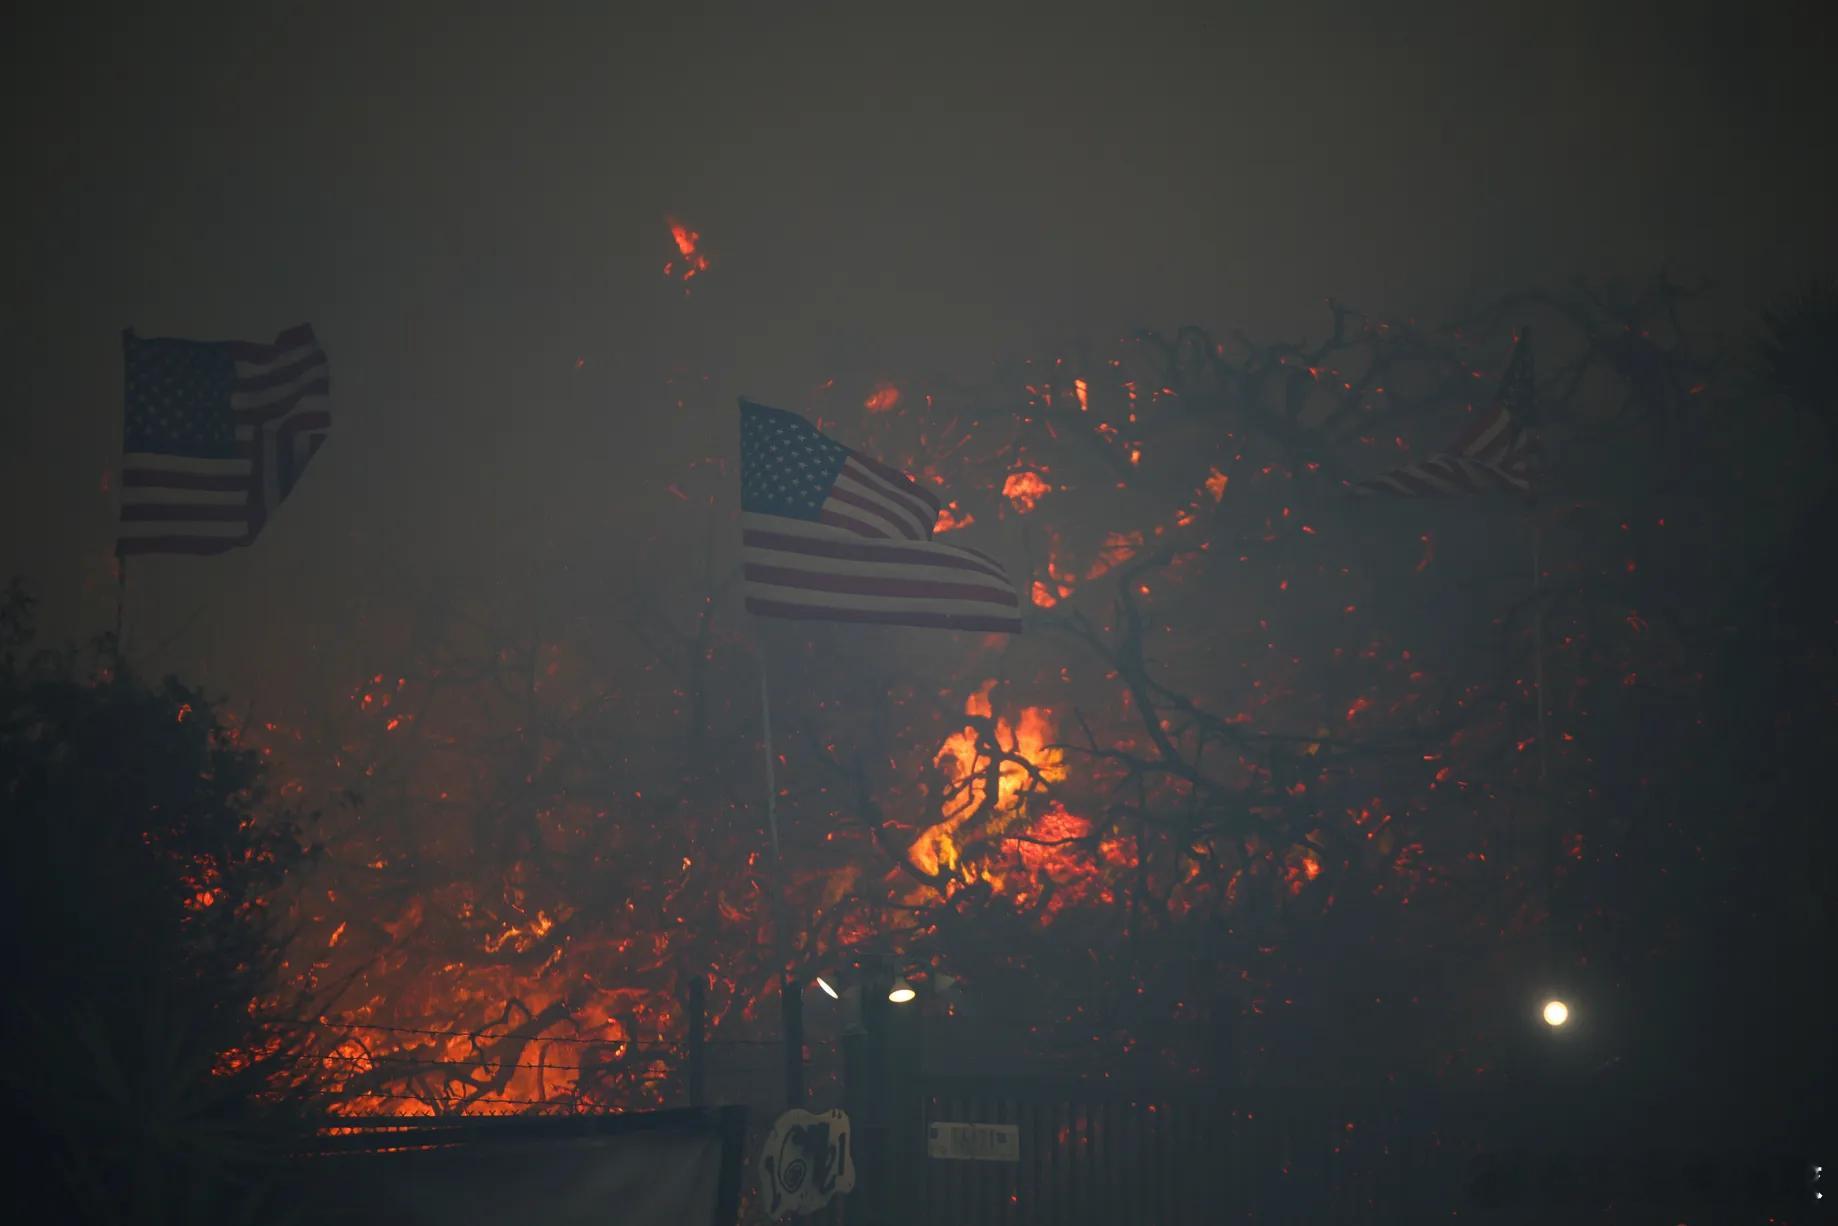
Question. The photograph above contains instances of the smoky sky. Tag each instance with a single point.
(469, 202)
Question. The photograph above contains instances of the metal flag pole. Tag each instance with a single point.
(1544, 757)
(772, 790)
(121, 608)
(791, 995)
(121, 559)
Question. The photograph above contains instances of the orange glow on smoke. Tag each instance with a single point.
(884, 397)
(1025, 489)
(688, 243)
(951, 517)
(1119, 547)
(1084, 395)
(1216, 483)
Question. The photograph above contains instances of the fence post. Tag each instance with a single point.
(791, 1008)
(875, 1173)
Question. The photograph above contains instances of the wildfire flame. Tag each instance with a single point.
(952, 517)
(1025, 489)
(495, 986)
(688, 244)
(966, 770)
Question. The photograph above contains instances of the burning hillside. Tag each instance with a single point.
(1210, 735)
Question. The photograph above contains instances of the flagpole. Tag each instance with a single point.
(1544, 759)
(121, 607)
(1552, 853)
(791, 993)
(121, 559)
(772, 791)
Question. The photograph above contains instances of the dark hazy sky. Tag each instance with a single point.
(466, 200)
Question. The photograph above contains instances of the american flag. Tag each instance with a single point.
(1494, 454)
(831, 535)
(217, 434)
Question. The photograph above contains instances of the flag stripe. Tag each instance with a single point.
(200, 512)
(898, 518)
(296, 367)
(903, 495)
(873, 514)
(854, 526)
(147, 478)
(257, 353)
(1444, 475)
(899, 480)
(941, 570)
(265, 406)
(875, 585)
(159, 494)
(1495, 453)
(924, 619)
(774, 532)
(176, 544)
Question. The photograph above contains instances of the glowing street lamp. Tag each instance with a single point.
(1556, 1013)
(901, 992)
(827, 989)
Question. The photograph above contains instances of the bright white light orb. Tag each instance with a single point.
(1556, 1012)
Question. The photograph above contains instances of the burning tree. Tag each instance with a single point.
(1266, 754)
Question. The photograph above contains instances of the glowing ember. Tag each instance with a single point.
(688, 243)
(1119, 547)
(1025, 489)
(884, 397)
(951, 517)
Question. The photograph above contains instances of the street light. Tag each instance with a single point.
(827, 989)
(1556, 1013)
(901, 992)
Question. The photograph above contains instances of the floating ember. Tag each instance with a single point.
(884, 397)
(691, 261)
(1025, 489)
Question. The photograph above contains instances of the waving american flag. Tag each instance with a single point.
(1496, 453)
(830, 534)
(217, 434)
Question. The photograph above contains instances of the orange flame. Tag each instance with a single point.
(951, 517)
(884, 397)
(688, 245)
(937, 848)
(1025, 489)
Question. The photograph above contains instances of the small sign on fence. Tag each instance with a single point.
(979, 1142)
(805, 1161)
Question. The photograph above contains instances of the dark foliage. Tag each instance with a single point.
(1798, 338)
(139, 943)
